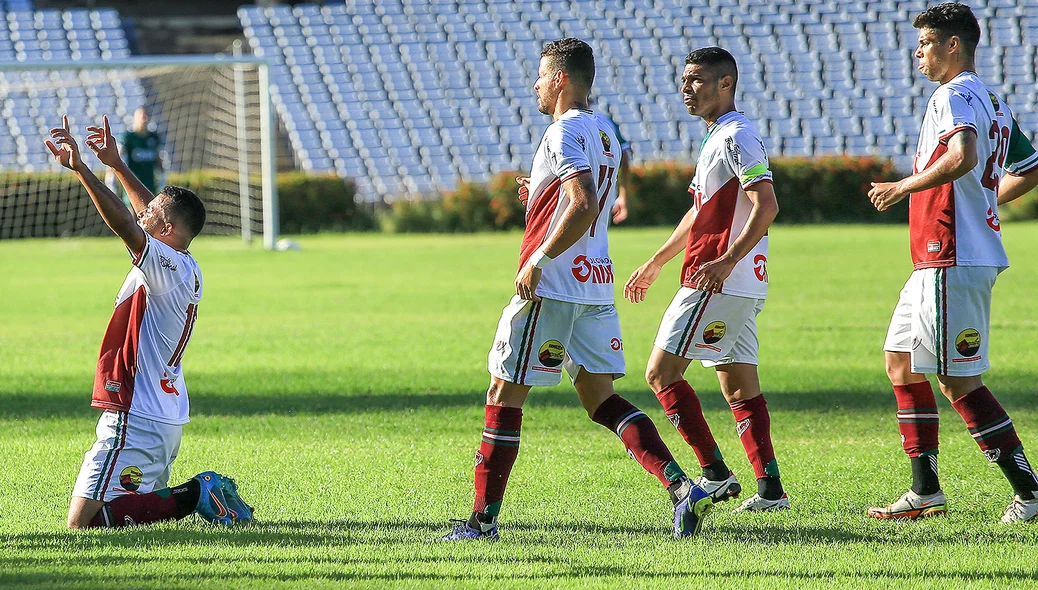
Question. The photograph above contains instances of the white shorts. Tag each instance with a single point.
(132, 455)
(713, 328)
(943, 318)
(535, 341)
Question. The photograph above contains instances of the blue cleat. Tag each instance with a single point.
(212, 503)
(463, 532)
(690, 512)
(240, 511)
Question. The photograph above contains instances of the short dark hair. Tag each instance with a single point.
(951, 19)
(717, 60)
(574, 57)
(186, 207)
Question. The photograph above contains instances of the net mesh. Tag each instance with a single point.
(208, 120)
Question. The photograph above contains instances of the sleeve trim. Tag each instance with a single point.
(574, 174)
(139, 259)
(753, 183)
(1025, 172)
(948, 135)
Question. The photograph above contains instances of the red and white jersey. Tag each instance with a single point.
(580, 141)
(731, 159)
(956, 224)
(139, 368)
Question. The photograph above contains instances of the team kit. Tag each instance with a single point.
(971, 157)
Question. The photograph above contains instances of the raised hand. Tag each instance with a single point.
(103, 144)
(64, 147)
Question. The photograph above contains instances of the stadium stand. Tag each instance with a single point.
(409, 95)
(30, 99)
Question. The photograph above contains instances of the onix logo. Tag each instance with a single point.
(616, 344)
(167, 384)
(993, 220)
(596, 270)
(760, 267)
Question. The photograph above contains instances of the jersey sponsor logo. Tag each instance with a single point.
(933, 246)
(167, 384)
(994, 102)
(760, 267)
(168, 264)
(596, 270)
(582, 142)
(616, 344)
(130, 478)
(198, 285)
(742, 426)
(714, 332)
(113, 386)
(967, 343)
(606, 143)
(992, 220)
(733, 151)
(551, 354)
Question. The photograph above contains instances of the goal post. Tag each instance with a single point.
(213, 113)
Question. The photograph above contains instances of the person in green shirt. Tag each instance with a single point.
(141, 149)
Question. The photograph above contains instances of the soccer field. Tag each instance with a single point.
(342, 385)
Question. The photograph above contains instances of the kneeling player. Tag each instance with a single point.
(139, 384)
(565, 317)
(724, 281)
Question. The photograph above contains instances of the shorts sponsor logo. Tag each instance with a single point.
(992, 220)
(130, 478)
(742, 426)
(551, 353)
(760, 267)
(933, 246)
(616, 344)
(714, 332)
(596, 270)
(967, 343)
(167, 384)
(113, 386)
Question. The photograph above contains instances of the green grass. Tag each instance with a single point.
(342, 386)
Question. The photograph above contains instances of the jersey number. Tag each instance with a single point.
(998, 157)
(604, 172)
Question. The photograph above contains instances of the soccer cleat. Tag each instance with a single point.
(756, 503)
(240, 511)
(690, 512)
(212, 503)
(912, 506)
(720, 491)
(1020, 511)
(463, 532)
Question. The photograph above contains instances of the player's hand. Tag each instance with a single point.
(885, 195)
(712, 274)
(63, 146)
(103, 144)
(524, 189)
(526, 282)
(620, 209)
(641, 279)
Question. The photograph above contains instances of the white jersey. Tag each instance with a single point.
(956, 224)
(139, 368)
(580, 141)
(731, 159)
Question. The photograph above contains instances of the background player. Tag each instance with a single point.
(139, 385)
(724, 281)
(142, 150)
(562, 315)
(942, 319)
(623, 179)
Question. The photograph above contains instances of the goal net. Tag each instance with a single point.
(214, 126)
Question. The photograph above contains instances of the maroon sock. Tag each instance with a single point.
(138, 509)
(640, 436)
(988, 423)
(495, 457)
(753, 423)
(917, 418)
(683, 410)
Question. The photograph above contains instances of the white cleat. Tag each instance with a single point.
(1020, 510)
(758, 504)
(720, 491)
(912, 506)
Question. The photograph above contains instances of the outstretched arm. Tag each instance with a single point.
(65, 150)
(103, 144)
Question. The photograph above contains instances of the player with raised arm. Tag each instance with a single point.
(724, 281)
(562, 316)
(139, 385)
(941, 322)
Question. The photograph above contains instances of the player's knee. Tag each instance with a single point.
(658, 377)
(899, 370)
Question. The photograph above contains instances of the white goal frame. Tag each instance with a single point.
(268, 133)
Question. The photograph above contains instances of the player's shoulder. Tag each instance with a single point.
(740, 129)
